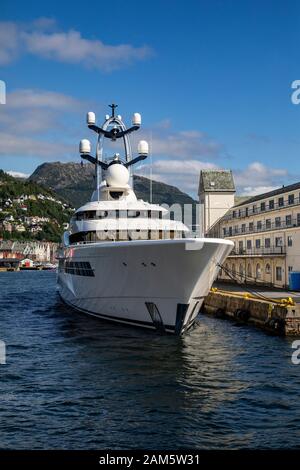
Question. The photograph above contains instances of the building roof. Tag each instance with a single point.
(216, 181)
(275, 192)
(6, 245)
(238, 200)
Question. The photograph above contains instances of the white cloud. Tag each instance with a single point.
(31, 119)
(178, 145)
(163, 124)
(31, 98)
(9, 42)
(26, 121)
(262, 179)
(18, 174)
(183, 144)
(183, 174)
(41, 38)
(254, 190)
(43, 23)
(12, 144)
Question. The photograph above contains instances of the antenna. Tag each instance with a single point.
(151, 188)
(113, 107)
(113, 128)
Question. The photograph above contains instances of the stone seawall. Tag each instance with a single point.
(279, 317)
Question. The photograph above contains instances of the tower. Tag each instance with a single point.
(216, 195)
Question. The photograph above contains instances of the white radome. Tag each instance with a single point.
(85, 146)
(143, 147)
(90, 118)
(136, 119)
(117, 175)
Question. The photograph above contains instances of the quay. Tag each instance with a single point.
(14, 264)
(273, 310)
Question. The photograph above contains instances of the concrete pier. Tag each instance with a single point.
(274, 314)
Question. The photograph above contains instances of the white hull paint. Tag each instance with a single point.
(133, 281)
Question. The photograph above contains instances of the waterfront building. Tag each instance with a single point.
(265, 230)
(36, 251)
(216, 195)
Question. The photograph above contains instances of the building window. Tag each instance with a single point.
(230, 231)
(246, 211)
(259, 225)
(291, 199)
(233, 270)
(262, 206)
(271, 204)
(277, 221)
(288, 220)
(298, 219)
(240, 213)
(268, 223)
(278, 273)
(224, 231)
(249, 244)
(241, 271)
(290, 240)
(236, 229)
(267, 242)
(244, 227)
(249, 270)
(257, 243)
(268, 268)
(280, 201)
(250, 226)
(234, 214)
(290, 268)
(254, 209)
(241, 247)
(258, 271)
(278, 241)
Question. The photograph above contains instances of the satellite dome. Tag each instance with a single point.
(117, 175)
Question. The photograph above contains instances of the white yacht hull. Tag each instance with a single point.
(159, 284)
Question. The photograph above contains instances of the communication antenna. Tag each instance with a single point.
(151, 172)
(113, 128)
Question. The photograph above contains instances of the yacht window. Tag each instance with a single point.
(90, 214)
(155, 214)
(82, 268)
(102, 214)
(133, 213)
(116, 235)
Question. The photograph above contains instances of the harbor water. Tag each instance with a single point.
(75, 382)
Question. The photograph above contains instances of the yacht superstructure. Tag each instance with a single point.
(123, 259)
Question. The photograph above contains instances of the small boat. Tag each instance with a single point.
(124, 259)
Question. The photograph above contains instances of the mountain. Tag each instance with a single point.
(75, 183)
(29, 211)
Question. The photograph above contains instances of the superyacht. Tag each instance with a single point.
(124, 259)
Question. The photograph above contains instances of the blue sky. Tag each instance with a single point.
(212, 80)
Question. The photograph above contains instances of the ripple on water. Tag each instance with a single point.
(75, 382)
